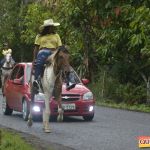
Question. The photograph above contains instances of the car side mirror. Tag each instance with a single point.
(85, 81)
(17, 81)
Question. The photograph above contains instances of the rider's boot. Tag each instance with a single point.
(36, 86)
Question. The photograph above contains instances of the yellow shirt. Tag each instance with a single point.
(48, 41)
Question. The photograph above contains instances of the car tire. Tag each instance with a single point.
(88, 118)
(5, 108)
(25, 110)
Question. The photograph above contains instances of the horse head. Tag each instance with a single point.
(61, 60)
(8, 58)
(8, 61)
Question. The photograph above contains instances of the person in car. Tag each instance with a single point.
(46, 42)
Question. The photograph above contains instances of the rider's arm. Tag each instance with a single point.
(36, 48)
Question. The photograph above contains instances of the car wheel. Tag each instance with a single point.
(25, 110)
(88, 118)
(6, 109)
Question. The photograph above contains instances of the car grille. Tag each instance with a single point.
(70, 97)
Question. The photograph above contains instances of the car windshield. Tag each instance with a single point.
(72, 76)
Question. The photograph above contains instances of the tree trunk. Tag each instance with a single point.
(147, 82)
(103, 84)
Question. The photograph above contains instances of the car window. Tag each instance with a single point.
(20, 74)
(14, 73)
(73, 77)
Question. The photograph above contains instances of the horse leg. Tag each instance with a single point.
(30, 122)
(60, 110)
(57, 91)
(46, 114)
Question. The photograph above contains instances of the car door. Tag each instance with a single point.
(19, 87)
(9, 92)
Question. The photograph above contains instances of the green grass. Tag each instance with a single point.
(12, 141)
(135, 107)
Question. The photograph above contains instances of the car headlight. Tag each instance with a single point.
(87, 96)
(39, 97)
(36, 108)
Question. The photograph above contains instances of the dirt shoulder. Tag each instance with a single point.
(36, 142)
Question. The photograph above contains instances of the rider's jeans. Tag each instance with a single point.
(40, 61)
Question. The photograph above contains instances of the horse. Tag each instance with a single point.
(51, 83)
(6, 67)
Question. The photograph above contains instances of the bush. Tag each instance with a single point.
(112, 90)
(131, 94)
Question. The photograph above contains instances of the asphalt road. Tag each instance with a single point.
(111, 129)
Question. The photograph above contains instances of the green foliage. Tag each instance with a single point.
(32, 20)
(130, 94)
(8, 21)
(118, 93)
(109, 41)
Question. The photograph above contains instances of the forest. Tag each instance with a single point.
(109, 41)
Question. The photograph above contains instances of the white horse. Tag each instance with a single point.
(52, 81)
(6, 68)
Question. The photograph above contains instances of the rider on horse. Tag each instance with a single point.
(46, 43)
(5, 51)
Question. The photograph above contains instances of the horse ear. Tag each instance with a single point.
(63, 48)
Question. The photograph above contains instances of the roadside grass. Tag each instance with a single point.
(135, 107)
(12, 141)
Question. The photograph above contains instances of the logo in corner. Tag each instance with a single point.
(144, 141)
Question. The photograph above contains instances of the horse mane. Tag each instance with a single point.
(56, 59)
(60, 59)
(63, 49)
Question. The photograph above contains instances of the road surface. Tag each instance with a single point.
(111, 129)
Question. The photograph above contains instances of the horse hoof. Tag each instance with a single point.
(60, 118)
(29, 123)
(60, 115)
(47, 130)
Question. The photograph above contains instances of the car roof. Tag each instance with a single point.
(25, 63)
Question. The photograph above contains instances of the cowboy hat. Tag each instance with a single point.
(49, 22)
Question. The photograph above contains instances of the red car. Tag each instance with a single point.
(78, 101)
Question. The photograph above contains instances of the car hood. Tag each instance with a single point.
(79, 89)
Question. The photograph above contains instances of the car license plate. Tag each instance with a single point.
(69, 106)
